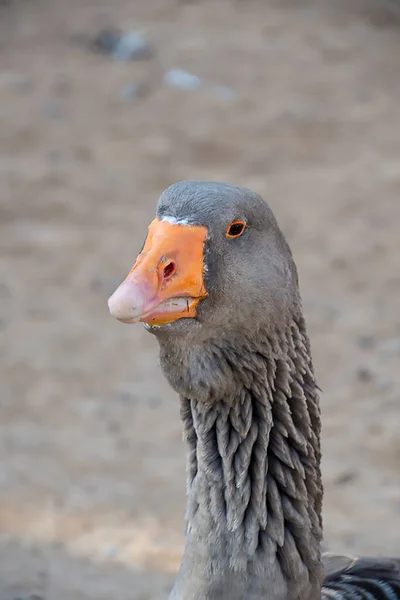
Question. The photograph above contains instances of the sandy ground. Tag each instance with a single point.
(92, 469)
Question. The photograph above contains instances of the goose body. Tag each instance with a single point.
(217, 285)
(351, 578)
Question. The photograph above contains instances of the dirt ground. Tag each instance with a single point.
(92, 470)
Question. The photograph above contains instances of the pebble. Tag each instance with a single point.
(106, 40)
(345, 477)
(364, 374)
(132, 46)
(179, 78)
(366, 341)
(126, 397)
(123, 46)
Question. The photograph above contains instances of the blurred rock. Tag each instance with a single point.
(133, 46)
(366, 341)
(123, 46)
(125, 397)
(364, 374)
(107, 40)
(345, 477)
(179, 78)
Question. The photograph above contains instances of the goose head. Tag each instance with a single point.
(214, 263)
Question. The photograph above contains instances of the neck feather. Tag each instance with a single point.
(254, 486)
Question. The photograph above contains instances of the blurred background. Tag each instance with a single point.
(103, 105)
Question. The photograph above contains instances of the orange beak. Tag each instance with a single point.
(167, 280)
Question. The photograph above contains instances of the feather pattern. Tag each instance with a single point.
(351, 578)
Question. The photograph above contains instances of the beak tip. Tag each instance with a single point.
(125, 304)
(112, 306)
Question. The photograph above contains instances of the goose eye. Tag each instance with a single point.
(235, 229)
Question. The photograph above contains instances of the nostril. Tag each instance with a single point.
(169, 270)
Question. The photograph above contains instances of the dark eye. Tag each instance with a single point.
(235, 229)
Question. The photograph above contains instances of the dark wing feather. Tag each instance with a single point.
(352, 578)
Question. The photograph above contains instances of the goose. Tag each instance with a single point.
(217, 286)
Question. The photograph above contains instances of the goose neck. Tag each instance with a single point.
(253, 476)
